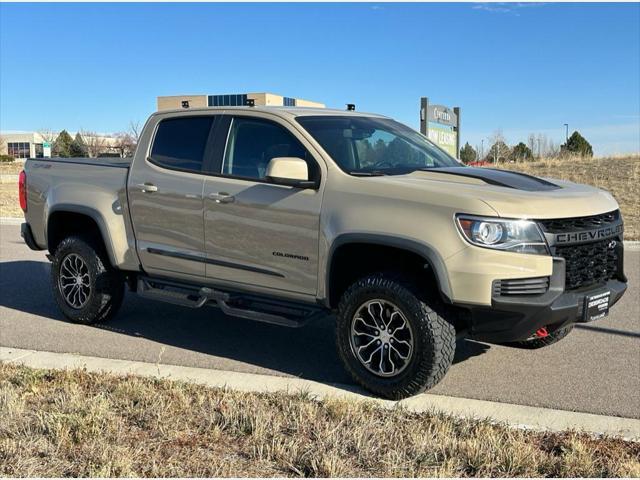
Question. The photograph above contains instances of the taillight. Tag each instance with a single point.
(22, 190)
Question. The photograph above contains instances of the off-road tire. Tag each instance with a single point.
(553, 337)
(434, 342)
(107, 285)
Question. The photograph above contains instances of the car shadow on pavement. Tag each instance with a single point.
(308, 352)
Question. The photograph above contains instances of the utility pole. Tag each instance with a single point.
(482, 148)
(566, 133)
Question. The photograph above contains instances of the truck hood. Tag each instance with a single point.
(511, 194)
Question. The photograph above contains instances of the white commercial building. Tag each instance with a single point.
(22, 145)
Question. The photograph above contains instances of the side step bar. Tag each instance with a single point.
(239, 305)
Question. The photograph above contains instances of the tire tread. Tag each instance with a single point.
(436, 334)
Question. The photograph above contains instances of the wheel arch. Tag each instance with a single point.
(426, 253)
(87, 217)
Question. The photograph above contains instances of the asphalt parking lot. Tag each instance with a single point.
(596, 369)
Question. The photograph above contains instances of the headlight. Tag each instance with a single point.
(521, 236)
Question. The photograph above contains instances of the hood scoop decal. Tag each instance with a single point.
(502, 178)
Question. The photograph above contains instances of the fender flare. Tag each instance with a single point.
(94, 215)
(429, 254)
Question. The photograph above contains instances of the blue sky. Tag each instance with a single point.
(517, 67)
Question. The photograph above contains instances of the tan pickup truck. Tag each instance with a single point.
(285, 215)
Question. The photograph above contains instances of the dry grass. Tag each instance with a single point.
(618, 175)
(11, 168)
(56, 423)
(9, 205)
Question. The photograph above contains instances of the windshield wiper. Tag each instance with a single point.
(371, 173)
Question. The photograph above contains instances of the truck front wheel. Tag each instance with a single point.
(86, 288)
(392, 342)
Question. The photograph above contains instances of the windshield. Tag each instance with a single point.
(375, 146)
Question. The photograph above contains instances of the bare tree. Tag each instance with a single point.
(134, 130)
(553, 150)
(125, 144)
(532, 142)
(499, 148)
(47, 135)
(95, 143)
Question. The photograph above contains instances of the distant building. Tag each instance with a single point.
(22, 145)
(232, 100)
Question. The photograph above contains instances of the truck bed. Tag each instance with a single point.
(91, 186)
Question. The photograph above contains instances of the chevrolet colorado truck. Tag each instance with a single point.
(284, 215)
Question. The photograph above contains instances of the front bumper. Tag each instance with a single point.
(517, 318)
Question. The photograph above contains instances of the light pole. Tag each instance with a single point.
(566, 132)
(481, 149)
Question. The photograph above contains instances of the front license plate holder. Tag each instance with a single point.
(596, 306)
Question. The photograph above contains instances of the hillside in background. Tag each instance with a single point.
(618, 175)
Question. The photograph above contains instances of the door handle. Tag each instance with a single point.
(222, 197)
(147, 187)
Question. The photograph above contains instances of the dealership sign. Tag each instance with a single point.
(441, 125)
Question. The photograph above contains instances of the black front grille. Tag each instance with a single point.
(590, 263)
(568, 225)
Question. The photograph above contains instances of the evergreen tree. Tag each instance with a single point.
(577, 145)
(62, 144)
(521, 152)
(78, 147)
(467, 153)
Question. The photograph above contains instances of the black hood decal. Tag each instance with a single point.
(502, 178)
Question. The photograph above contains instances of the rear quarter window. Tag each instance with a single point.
(180, 143)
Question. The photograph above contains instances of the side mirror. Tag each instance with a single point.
(291, 171)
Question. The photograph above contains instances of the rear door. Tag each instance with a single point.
(258, 233)
(165, 197)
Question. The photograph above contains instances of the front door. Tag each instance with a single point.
(258, 233)
(165, 198)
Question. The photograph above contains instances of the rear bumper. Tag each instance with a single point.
(27, 236)
(517, 318)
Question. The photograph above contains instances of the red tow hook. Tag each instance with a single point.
(542, 332)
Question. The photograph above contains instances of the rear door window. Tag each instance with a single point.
(180, 143)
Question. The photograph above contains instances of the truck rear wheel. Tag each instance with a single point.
(392, 342)
(86, 288)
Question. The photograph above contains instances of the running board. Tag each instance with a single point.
(238, 305)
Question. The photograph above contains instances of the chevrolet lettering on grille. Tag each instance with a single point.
(588, 235)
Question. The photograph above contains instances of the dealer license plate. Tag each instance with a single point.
(596, 306)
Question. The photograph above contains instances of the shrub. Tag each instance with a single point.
(6, 159)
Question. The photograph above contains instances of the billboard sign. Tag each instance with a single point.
(441, 125)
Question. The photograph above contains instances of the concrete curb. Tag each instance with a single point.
(11, 220)
(519, 416)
